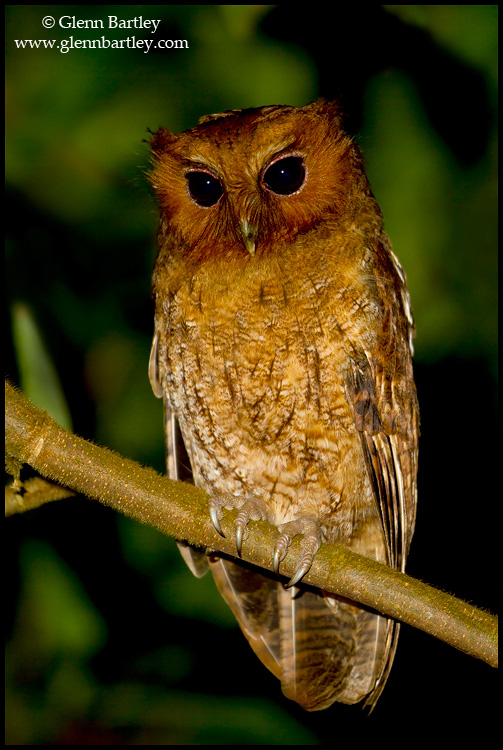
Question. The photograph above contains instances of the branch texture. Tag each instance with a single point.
(181, 510)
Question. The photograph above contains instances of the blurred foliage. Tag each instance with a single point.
(111, 641)
(38, 376)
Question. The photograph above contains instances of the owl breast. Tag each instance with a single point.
(255, 368)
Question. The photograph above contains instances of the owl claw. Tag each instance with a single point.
(310, 528)
(276, 561)
(250, 509)
(300, 572)
(239, 539)
(214, 516)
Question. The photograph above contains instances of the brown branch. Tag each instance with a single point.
(180, 510)
(32, 494)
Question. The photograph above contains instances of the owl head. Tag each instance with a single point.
(251, 181)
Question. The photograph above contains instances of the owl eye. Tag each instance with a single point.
(203, 188)
(285, 176)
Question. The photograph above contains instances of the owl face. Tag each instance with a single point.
(251, 181)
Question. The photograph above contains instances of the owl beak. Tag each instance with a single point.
(249, 233)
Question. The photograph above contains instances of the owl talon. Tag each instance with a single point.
(310, 528)
(300, 572)
(250, 509)
(276, 561)
(239, 538)
(214, 511)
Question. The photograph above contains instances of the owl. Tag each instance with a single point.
(283, 352)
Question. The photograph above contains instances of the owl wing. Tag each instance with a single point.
(305, 640)
(383, 396)
(196, 561)
(382, 393)
(252, 596)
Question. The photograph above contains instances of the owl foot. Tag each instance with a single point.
(310, 528)
(250, 509)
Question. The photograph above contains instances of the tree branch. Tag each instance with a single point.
(181, 510)
(32, 494)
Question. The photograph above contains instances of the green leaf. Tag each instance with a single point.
(38, 377)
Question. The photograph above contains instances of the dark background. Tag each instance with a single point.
(110, 638)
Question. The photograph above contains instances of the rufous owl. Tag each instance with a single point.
(283, 352)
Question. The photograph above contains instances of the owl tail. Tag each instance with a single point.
(323, 649)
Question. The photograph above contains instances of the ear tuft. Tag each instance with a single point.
(332, 110)
(161, 140)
